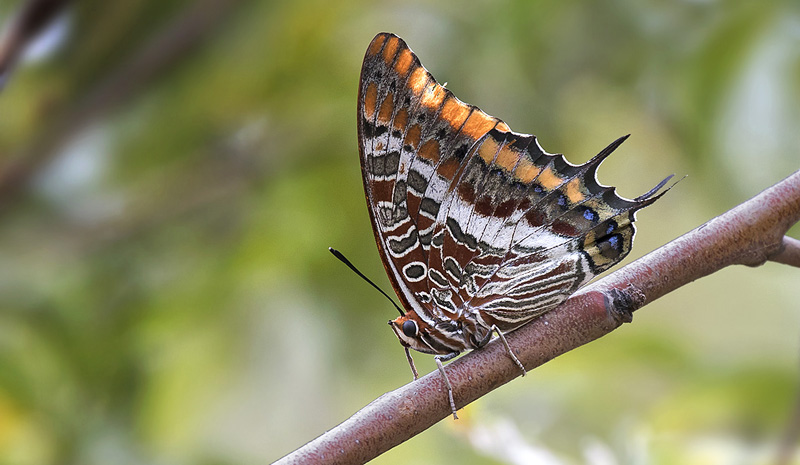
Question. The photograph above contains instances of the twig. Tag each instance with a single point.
(748, 234)
(789, 253)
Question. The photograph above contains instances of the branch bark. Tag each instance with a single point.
(790, 252)
(749, 234)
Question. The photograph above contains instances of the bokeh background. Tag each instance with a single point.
(174, 171)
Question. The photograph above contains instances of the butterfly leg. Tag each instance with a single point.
(508, 349)
(411, 364)
(439, 359)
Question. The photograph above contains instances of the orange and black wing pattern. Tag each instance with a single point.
(470, 217)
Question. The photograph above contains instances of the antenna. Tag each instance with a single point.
(344, 260)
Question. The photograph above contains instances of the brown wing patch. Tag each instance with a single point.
(404, 61)
(370, 100)
(390, 49)
(455, 112)
(488, 150)
(412, 136)
(526, 171)
(478, 124)
(400, 120)
(573, 190)
(430, 150)
(448, 169)
(433, 96)
(376, 45)
(549, 179)
(418, 80)
(507, 158)
(385, 113)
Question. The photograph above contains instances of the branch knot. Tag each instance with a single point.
(621, 303)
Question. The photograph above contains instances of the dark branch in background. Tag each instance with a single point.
(163, 51)
(31, 20)
(749, 234)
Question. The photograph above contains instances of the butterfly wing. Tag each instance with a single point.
(413, 136)
(524, 229)
(470, 216)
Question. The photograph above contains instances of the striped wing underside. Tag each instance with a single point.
(468, 215)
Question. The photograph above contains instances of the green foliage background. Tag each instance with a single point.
(166, 295)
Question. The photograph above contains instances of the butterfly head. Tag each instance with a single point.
(417, 334)
(409, 329)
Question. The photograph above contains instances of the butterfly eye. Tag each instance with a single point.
(410, 328)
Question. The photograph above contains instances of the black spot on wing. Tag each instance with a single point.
(400, 246)
(459, 235)
(417, 183)
(430, 206)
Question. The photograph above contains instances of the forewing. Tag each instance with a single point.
(413, 136)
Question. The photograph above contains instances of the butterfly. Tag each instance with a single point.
(479, 228)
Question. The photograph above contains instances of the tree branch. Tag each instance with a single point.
(749, 234)
(789, 253)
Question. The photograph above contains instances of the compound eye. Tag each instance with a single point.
(410, 328)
